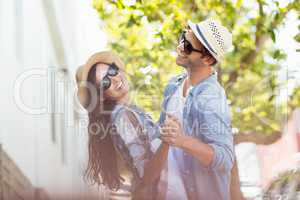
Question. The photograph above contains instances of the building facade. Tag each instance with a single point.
(43, 133)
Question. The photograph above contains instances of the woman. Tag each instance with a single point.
(119, 132)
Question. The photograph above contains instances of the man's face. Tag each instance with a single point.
(189, 60)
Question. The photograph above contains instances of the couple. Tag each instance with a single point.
(193, 155)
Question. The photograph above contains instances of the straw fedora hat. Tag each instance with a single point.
(214, 36)
(85, 91)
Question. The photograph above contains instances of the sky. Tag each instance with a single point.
(290, 68)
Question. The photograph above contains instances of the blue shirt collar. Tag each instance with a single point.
(212, 79)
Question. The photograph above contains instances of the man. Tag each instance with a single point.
(195, 119)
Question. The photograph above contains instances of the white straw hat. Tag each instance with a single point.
(215, 37)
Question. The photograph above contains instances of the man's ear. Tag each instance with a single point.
(209, 60)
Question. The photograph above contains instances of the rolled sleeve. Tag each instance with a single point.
(215, 130)
(222, 159)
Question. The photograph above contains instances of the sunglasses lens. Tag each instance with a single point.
(181, 37)
(112, 71)
(187, 47)
(105, 83)
(186, 44)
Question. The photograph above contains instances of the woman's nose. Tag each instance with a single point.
(116, 79)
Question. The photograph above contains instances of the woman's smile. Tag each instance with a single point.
(119, 86)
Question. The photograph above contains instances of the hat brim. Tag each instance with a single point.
(200, 36)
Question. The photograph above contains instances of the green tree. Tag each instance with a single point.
(286, 184)
(294, 101)
(145, 34)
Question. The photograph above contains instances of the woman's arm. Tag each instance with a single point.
(155, 165)
(134, 135)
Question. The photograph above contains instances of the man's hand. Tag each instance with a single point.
(172, 132)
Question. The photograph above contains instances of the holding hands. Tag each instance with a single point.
(172, 131)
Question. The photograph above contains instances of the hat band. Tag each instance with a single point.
(205, 41)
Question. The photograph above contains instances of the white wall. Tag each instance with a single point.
(34, 36)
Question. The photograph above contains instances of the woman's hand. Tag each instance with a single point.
(172, 132)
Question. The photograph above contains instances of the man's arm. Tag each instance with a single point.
(216, 154)
(173, 134)
(201, 151)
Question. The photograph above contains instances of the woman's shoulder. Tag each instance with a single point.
(118, 111)
(124, 111)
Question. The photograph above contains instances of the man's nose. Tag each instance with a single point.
(180, 47)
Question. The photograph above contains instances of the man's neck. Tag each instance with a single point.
(196, 75)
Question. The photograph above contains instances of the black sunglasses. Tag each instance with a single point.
(113, 70)
(187, 46)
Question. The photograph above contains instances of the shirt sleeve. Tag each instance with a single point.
(215, 128)
(152, 129)
(132, 143)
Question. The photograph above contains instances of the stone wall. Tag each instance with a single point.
(14, 185)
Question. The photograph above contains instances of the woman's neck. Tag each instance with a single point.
(125, 100)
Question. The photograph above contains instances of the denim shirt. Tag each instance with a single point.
(205, 117)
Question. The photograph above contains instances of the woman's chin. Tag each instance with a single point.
(125, 88)
(123, 92)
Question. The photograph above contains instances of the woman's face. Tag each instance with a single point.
(118, 83)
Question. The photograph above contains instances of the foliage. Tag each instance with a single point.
(294, 100)
(145, 33)
(286, 184)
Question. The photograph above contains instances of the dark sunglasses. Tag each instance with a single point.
(187, 46)
(113, 70)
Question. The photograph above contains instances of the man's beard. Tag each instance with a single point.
(184, 65)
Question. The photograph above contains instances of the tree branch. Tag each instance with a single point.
(261, 37)
(257, 138)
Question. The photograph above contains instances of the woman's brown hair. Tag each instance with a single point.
(102, 165)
